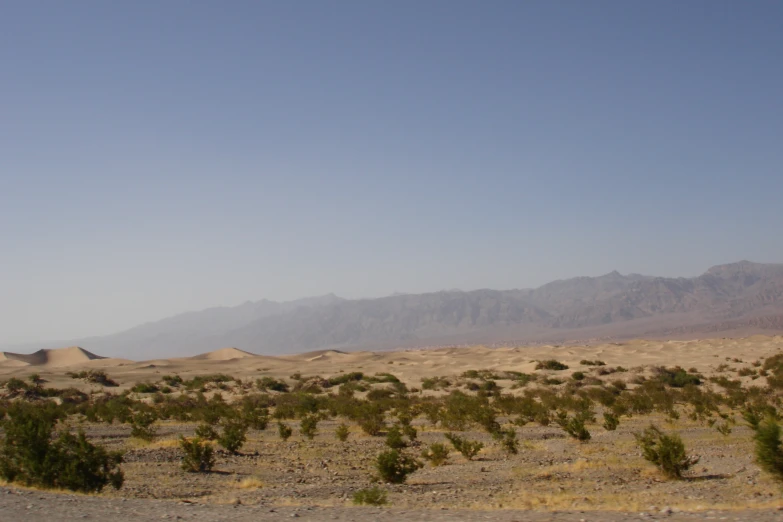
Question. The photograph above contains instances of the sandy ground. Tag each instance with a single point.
(408, 365)
(552, 477)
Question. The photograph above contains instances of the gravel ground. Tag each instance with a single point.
(27, 505)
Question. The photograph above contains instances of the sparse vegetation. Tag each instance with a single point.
(551, 364)
(468, 448)
(199, 456)
(437, 454)
(394, 466)
(665, 451)
(373, 496)
(30, 456)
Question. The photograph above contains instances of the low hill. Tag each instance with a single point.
(52, 357)
(225, 354)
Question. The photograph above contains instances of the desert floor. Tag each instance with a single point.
(553, 477)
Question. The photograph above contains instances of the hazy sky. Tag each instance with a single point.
(158, 157)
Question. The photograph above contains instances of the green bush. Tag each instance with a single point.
(342, 379)
(394, 467)
(611, 421)
(437, 454)
(578, 376)
(551, 364)
(144, 387)
(342, 432)
(142, 425)
(373, 496)
(206, 432)
(309, 426)
(268, 383)
(234, 435)
(394, 438)
(508, 440)
(769, 453)
(172, 380)
(676, 377)
(29, 456)
(665, 451)
(468, 448)
(586, 362)
(574, 425)
(284, 430)
(199, 456)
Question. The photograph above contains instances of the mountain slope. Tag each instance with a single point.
(740, 296)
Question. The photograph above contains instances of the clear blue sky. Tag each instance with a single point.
(158, 157)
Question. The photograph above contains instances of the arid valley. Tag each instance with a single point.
(553, 472)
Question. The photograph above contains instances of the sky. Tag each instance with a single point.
(160, 157)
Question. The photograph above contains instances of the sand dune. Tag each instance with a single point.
(52, 357)
(410, 365)
(225, 354)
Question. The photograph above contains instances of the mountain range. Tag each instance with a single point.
(737, 298)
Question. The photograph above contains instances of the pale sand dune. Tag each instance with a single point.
(408, 365)
(54, 357)
(225, 354)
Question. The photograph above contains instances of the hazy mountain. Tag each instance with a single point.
(741, 296)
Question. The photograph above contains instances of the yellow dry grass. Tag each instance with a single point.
(250, 483)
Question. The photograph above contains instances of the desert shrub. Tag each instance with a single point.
(573, 425)
(382, 377)
(676, 377)
(437, 454)
(142, 425)
(268, 383)
(769, 453)
(394, 467)
(379, 394)
(508, 440)
(29, 456)
(199, 455)
(394, 438)
(309, 426)
(199, 382)
(746, 372)
(254, 411)
(144, 387)
(435, 383)
(370, 419)
(373, 496)
(724, 428)
(578, 376)
(551, 364)
(284, 430)
(345, 378)
(586, 362)
(522, 379)
(100, 377)
(611, 421)
(15, 385)
(468, 448)
(665, 451)
(172, 380)
(206, 432)
(234, 434)
(342, 432)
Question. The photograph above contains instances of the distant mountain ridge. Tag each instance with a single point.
(740, 297)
